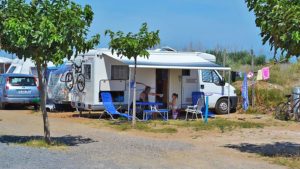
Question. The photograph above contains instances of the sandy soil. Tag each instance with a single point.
(185, 149)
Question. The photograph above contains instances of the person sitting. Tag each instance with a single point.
(173, 105)
(144, 96)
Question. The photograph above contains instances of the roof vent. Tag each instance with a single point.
(168, 49)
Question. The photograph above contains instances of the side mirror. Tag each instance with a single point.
(222, 82)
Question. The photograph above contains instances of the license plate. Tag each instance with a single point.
(24, 92)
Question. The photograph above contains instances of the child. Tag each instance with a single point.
(173, 105)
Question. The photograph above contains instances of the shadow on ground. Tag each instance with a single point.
(67, 140)
(18, 107)
(279, 149)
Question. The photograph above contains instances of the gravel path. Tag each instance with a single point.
(98, 148)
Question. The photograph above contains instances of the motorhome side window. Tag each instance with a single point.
(119, 72)
(210, 76)
(87, 70)
(186, 72)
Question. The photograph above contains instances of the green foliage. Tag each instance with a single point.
(133, 45)
(45, 30)
(237, 58)
(279, 21)
(286, 75)
(268, 97)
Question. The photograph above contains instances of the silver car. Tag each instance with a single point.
(18, 89)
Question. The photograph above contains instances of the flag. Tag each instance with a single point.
(259, 75)
(266, 73)
(245, 93)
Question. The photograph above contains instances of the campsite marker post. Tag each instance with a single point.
(206, 106)
(206, 110)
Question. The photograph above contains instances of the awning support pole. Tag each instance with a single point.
(229, 81)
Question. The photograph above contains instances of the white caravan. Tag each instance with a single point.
(24, 67)
(166, 72)
(4, 64)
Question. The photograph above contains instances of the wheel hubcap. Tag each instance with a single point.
(223, 106)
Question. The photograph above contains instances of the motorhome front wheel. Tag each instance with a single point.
(222, 106)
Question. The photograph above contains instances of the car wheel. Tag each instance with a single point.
(222, 106)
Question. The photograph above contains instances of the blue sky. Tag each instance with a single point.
(206, 24)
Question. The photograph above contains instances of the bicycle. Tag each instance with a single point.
(75, 73)
(289, 109)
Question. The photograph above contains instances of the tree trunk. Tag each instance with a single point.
(43, 86)
(134, 96)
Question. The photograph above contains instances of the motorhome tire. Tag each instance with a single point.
(80, 82)
(222, 106)
(69, 80)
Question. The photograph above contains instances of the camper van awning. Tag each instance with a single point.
(5, 60)
(170, 61)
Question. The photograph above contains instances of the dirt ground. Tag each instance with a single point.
(187, 148)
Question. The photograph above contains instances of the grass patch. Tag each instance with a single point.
(150, 126)
(253, 111)
(171, 126)
(40, 143)
(218, 123)
(290, 162)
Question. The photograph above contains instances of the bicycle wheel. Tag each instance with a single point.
(69, 80)
(283, 111)
(80, 82)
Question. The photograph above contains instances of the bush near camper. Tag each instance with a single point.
(284, 77)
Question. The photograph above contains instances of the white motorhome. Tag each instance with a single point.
(166, 72)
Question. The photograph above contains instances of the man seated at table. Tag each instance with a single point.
(144, 97)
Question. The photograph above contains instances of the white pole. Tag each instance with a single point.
(129, 92)
(229, 81)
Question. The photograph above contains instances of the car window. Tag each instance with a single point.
(22, 81)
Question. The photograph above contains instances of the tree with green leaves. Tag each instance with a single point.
(45, 31)
(279, 21)
(133, 46)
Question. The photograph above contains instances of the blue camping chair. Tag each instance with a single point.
(110, 108)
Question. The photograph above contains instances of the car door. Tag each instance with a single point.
(1, 86)
(211, 84)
